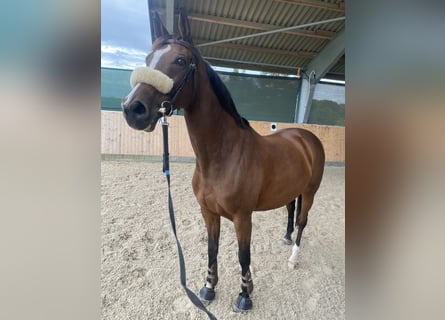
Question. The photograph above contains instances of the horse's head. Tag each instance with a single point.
(161, 86)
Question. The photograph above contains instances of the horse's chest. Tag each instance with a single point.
(219, 198)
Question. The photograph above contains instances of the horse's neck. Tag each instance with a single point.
(213, 132)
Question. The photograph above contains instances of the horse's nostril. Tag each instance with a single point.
(138, 108)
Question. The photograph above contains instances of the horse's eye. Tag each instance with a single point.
(180, 62)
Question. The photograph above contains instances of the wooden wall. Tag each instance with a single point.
(119, 139)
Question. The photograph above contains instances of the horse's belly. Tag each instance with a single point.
(275, 202)
(279, 192)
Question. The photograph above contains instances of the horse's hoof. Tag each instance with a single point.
(291, 265)
(286, 241)
(206, 295)
(242, 304)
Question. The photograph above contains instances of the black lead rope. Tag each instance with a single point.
(166, 169)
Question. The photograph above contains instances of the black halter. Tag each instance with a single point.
(177, 89)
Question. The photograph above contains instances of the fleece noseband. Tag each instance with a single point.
(153, 77)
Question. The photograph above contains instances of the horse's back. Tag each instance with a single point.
(301, 139)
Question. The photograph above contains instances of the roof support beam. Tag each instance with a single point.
(272, 31)
(266, 67)
(315, 70)
(259, 26)
(340, 7)
(288, 53)
(328, 56)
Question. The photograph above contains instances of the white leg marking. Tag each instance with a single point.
(157, 56)
(208, 285)
(293, 258)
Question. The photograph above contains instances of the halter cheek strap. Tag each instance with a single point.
(177, 90)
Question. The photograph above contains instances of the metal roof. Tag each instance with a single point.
(279, 52)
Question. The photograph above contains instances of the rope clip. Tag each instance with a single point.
(165, 105)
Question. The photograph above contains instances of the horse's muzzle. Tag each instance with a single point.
(136, 114)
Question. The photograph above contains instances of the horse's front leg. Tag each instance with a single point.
(243, 229)
(213, 223)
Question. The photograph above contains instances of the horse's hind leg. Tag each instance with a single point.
(290, 223)
(287, 239)
(213, 224)
(305, 202)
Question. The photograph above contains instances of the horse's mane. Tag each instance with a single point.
(224, 96)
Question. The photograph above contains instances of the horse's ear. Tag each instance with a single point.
(158, 27)
(184, 26)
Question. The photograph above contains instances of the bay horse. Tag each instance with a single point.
(237, 170)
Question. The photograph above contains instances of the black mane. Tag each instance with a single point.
(224, 96)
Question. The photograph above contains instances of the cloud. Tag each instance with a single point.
(125, 33)
(121, 57)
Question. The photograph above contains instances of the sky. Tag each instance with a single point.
(125, 29)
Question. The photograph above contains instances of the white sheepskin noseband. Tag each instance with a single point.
(153, 77)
